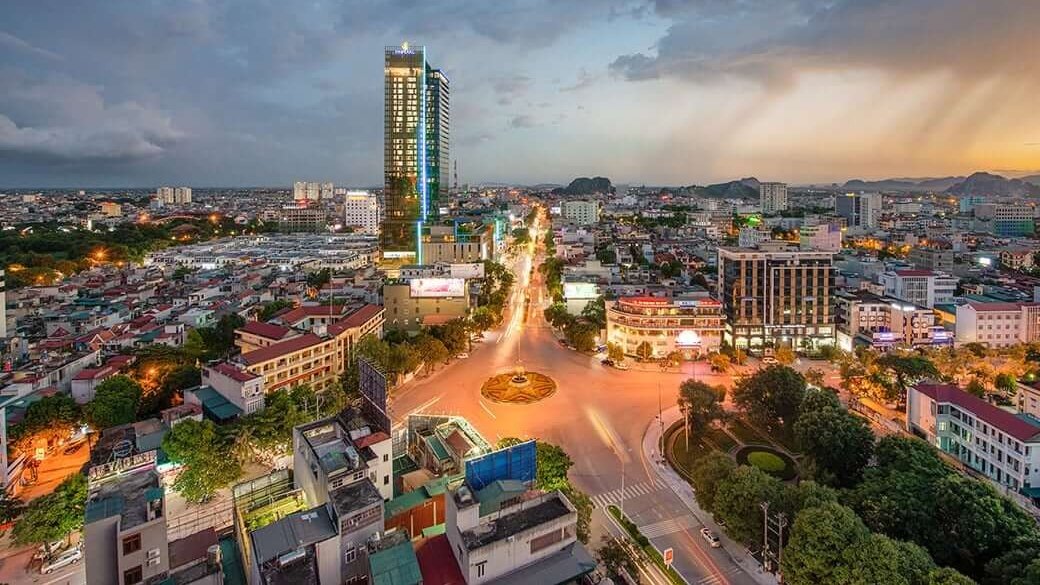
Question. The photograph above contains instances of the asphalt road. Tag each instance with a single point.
(598, 415)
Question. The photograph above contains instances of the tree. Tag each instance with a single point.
(483, 318)
(205, 457)
(700, 404)
(908, 370)
(553, 464)
(947, 576)
(115, 403)
(556, 314)
(521, 235)
(784, 355)
(430, 349)
(839, 442)
(52, 418)
(879, 559)
(581, 334)
(319, 278)
(1012, 566)
(737, 500)
(814, 376)
(771, 396)
(53, 516)
(583, 507)
(1007, 384)
(453, 334)
(818, 539)
(719, 362)
(272, 308)
(644, 350)
(615, 558)
(706, 475)
(596, 312)
(615, 352)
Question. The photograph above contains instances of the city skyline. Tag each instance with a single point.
(643, 92)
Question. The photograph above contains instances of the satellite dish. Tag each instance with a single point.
(123, 448)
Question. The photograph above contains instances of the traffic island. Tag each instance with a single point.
(772, 461)
(518, 387)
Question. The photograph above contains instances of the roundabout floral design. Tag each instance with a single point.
(518, 387)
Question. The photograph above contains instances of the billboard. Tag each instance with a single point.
(517, 462)
(437, 287)
(372, 384)
(580, 290)
(471, 270)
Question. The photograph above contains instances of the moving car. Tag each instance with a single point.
(711, 538)
(462, 355)
(769, 360)
(63, 559)
(607, 362)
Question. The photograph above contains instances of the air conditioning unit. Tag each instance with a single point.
(154, 562)
(153, 554)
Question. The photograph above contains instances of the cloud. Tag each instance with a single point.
(772, 41)
(523, 121)
(123, 133)
(585, 79)
(12, 42)
(510, 88)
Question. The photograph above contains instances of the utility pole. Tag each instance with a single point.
(772, 525)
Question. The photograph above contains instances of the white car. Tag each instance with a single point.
(620, 365)
(769, 360)
(711, 538)
(462, 355)
(63, 559)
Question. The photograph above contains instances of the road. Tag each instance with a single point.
(599, 415)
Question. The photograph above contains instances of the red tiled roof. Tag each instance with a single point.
(996, 306)
(94, 373)
(437, 562)
(234, 373)
(355, 319)
(996, 417)
(301, 313)
(279, 349)
(267, 330)
(372, 439)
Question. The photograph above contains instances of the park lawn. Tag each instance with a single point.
(720, 439)
(685, 457)
(744, 432)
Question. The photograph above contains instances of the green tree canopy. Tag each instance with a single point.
(51, 418)
(839, 442)
(772, 396)
(700, 404)
(819, 537)
(707, 474)
(205, 457)
(53, 516)
(115, 403)
(737, 500)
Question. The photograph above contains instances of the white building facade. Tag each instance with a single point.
(772, 197)
(361, 211)
(581, 212)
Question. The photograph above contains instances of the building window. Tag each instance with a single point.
(132, 576)
(131, 544)
(351, 555)
(480, 568)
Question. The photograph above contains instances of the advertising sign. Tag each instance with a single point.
(437, 287)
(372, 383)
(516, 462)
(471, 270)
(580, 290)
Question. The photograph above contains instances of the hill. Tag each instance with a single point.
(988, 184)
(743, 189)
(928, 184)
(585, 186)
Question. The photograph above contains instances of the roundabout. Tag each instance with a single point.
(518, 387)
(772, 461)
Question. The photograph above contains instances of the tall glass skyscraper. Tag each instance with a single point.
(417, 116)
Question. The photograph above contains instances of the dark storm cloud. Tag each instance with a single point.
(770, 41)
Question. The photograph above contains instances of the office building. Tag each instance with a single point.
(3, 305)
(111, 209)
(302, 218)
(926, 258)
(417, 302)
(416, 134)
(361, 212)
(997, 324)
(581, 212)
(690, 324)
(772, 197)
(173, 196)
(861, 210)
(312, 191)
(1001, 445)
(1005, 219)
(821, 238)
(459, 243)
(776, 294)
(866, 319)
(920, 287)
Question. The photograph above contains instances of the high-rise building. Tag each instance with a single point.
(860, 209)
(581, 212)
(3, 306)
(361, 211)
(173, 195)
(776, 295)
(416, 132)
(772, 197)
(312, 191)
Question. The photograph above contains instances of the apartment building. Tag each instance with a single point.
(936, 259)
(997, 324)
(457, 244)
(302, 218)
(866, 319)
(861, 210)
(1003, 446)
(581, 212)
(125, 529)
(772, 197)
(424, 301)
(361, 212)
(690, 324)
(776, 294)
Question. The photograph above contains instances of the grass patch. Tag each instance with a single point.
(720, 439)
(686, 456)
(744, 432)
(766, 462)
(644, 545)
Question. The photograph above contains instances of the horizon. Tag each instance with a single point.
(644, 92)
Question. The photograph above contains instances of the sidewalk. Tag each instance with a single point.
(683, 490)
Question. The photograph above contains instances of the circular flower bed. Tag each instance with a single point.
(769, 460)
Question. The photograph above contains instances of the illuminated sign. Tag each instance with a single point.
(646, 302)
(555, 210)
(688, 338)
(390, 254)
(437, 287)
(580, 290)
(472, 270)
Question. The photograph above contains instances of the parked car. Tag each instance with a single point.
(607, 362)
(719, 521)
(73, 448)
(769, 360)
(621, 365)
(711, 538)
(62, 560)
(49, 549)
(462, 355)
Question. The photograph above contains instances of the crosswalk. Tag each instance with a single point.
(669, 526)
(614, 496)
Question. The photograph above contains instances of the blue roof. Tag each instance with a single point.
(396, 565)
(216, 406)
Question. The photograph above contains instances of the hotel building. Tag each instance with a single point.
(690, 324)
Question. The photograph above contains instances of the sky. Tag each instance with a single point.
(663, 92)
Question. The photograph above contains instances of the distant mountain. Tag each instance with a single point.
(585, 186)
(988, 184)
(1032, 179)
(743, 189)
(903, 184)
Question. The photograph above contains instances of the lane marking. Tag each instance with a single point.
(486, 409)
